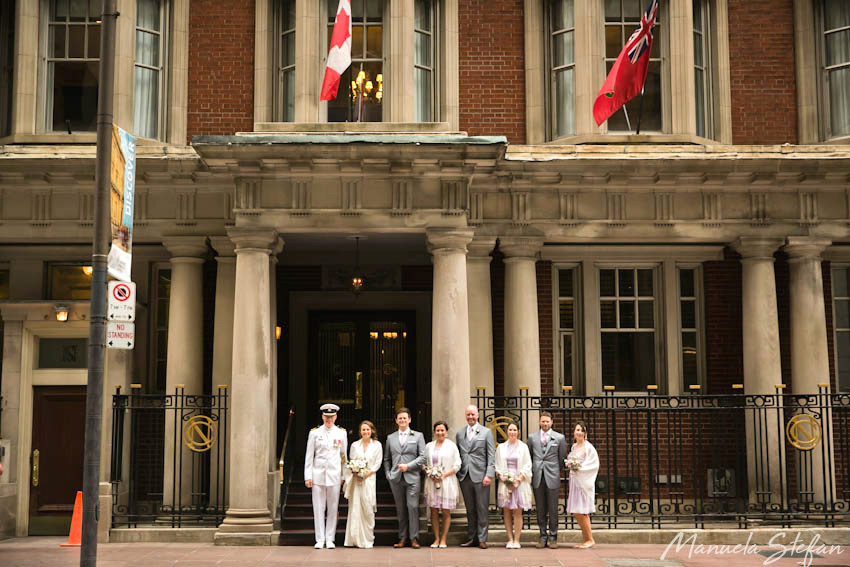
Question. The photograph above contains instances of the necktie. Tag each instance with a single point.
(469, 433)
(545, 439)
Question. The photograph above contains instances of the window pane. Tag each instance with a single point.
(843, 347)
(698, 55)
(689, 315)
(424, 91)
(566, 319)
(422, 14)
(697, 11)
(76, 42)
(147, 49)
(608, 314)
(656, 42)
(628, 360)
(421, 49)
(69, 282)
(612, 10)
(63, 353)
(839, 282)
(842, 313)
(626, 287)
(356, 10)
(563, 49)
(74, 95)
(837, 14)
(627, 315)
(632, 10)
(565, 283)
(344, 108)
(78, 11)
(613, 41)
(564, 102)
(95, 7)
(686, 283)
(690, 374)
(374, 10)
(699, 96)
(606, 283)
(288, 15)
(59, 10)
(568, 359)
(374, 42)
(645, 283)
(146, 103)
(147, 14)
(838, 47)
(646, 314)
(94, 42)
(562, 15)
(839, 101)
(57, 41)
(289, 95)
(356, 42)
(288, 49)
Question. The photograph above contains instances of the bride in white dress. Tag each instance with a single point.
(360, 491)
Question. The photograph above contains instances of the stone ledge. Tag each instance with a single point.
(245, 538)
(162, 535)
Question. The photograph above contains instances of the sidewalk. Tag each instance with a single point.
(45, 551)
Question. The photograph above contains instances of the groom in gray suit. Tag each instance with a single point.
(548, 450)
(404, 457)
(477, 469)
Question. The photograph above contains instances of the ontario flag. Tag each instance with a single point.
(628, 74)
(339, 55)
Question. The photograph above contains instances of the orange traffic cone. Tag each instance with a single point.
(76, 523)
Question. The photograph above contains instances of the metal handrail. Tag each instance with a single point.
(283, 463)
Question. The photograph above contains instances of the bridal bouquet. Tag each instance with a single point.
(358, 466)
(435, 473)
(572, 463)
(509, 479)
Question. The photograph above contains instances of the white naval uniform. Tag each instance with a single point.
(323, 463)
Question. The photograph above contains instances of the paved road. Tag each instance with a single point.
(45, 551)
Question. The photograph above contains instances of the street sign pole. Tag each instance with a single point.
(97, 318)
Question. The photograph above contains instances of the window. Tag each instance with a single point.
(423, 60)
(361, 88)
(69, 281)
(621, 19)
(7, 59)
(72, 64)
(63, 353)
(690, 325)
(628, 327)
(841, 304)
(148, 83)
(835, 62)
(286, 61)
(162, 287)
(568, 317)
(562, 60)
(702, 67)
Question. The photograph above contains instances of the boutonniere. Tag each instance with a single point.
(477, 429)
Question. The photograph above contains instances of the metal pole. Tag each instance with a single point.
(640, 108)
(97, 319)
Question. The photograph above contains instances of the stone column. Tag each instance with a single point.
(274, 457)
(248, 520)
(225, 287)
(480, 314)
(762, 370)
(522, 339)
(809, 352)
(185, 357)
(450, 378)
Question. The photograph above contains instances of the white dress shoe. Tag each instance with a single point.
(319, 545)
(330, 545)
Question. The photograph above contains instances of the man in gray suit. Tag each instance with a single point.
(477, 469)
(548, 450)
(404, 457)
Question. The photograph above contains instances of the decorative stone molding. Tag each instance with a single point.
(448, 240)
(402, 197)
(223, 246)
(803, 248)
(520, 211)
(476, 208)
(301, 196)
(352, 200)
(616, 207)
(527, 247)
(480, 248)
(712, 211)
(756, 247)
(248, 193)
(254, 239)
(186, 246)
(808, 208)
(568, 209)
(758, 209)
(453, 196)
(663, 209)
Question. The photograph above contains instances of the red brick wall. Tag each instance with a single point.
(492, 68)
(221, 67)
(761, 58)
(723, 333)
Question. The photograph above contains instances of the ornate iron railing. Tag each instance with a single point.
(698, 460)
(286, 464)
(169, 458)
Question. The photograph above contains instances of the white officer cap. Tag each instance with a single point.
(329, 409)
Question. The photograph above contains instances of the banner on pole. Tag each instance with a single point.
(123, 184)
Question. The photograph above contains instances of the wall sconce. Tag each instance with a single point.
(277, 332)
(61, 313)
(87, 270)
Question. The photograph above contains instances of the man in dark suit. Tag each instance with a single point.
(477, 469)
(548, 450)
(404, 457)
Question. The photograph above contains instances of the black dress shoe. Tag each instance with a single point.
(401, 543)
(470, 543)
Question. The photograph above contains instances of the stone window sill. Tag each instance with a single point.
(350, 127)
(624, 138)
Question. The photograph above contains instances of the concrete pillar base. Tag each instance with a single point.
(245, 527)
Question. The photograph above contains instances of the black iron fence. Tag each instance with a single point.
(169, 459)
(700, 460)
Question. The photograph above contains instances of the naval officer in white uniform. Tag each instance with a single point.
(327, 446)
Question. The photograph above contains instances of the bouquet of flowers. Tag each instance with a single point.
(572, 463)
(509, 479)
(435, 473)
(358, 466)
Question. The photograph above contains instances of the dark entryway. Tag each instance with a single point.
(56, 461)
(363, 361)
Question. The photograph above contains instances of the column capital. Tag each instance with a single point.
(223, 246)
(520, 246)
(481, 247)
(186, 246)
(756, 247)
(800, 248)
(256, 239)
(441, 240)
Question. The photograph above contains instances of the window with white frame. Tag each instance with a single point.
(562, 62)
(285, 86)
(835, 66)
(568, 321)
(361, 87)
(841, 324)
(148, 77)
(423, 59)
(621, 19)
(702, 68)
(628, 319)
(73, 56)
(690, 326)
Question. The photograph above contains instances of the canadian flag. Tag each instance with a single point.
(339, 55)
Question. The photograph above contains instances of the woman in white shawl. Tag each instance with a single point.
(442, 461)
(513, 467)
(360, 489)
(583, 463)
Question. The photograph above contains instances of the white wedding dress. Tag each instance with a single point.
(362, 501)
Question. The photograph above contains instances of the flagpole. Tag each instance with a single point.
(359, 94)
(626, 112)
(640, 108)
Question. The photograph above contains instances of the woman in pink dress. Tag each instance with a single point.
(513, 467)
(583, 462)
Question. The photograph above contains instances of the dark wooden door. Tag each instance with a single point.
(363, 361)
(56, 461)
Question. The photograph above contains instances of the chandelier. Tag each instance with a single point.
(371, 91)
